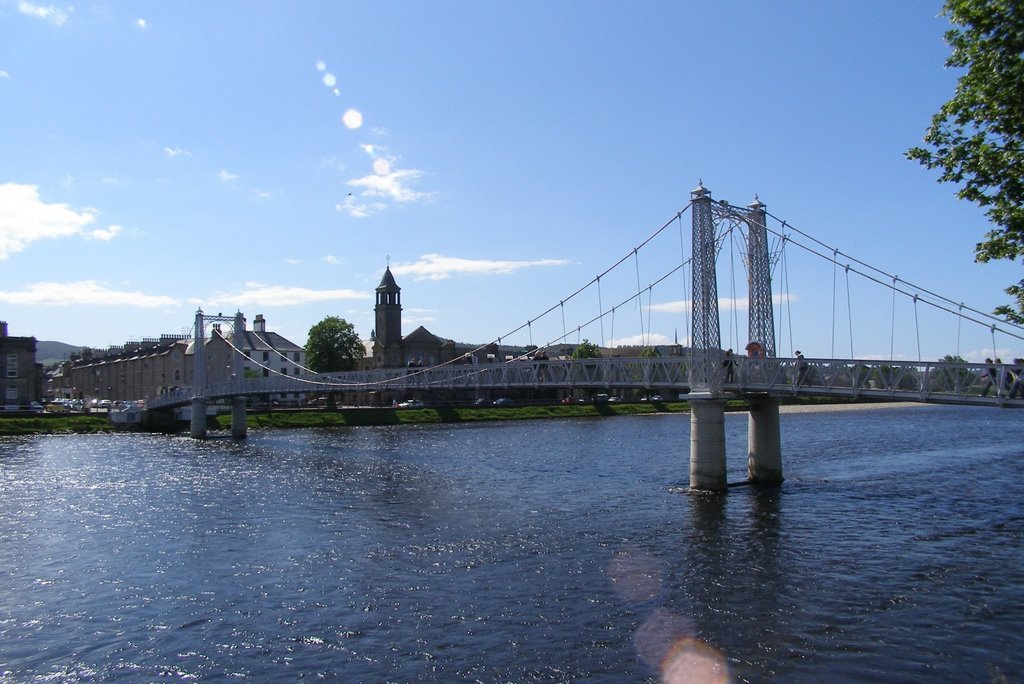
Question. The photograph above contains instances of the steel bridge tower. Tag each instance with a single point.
(706, 372)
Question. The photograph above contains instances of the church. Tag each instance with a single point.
(389, 349)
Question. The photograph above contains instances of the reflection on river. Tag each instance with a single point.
(537, 551)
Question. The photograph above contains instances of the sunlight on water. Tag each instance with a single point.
(538, 551)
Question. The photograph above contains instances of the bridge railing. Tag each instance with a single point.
(938, 382)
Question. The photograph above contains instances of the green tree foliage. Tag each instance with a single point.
(975, 138)
(333, 345)
(586, 350)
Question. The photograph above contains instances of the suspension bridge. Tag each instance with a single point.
(701, 371)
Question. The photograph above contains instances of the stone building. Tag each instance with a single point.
(389, 349)
(23, 376)
(137, 370)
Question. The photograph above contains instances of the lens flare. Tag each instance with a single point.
(330, 80)
(352, 119)
(693, 661)
(381, 167)
(635, 575)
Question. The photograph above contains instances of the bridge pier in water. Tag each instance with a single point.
(238, 424)
(764, 441)
(707, 443)
(197, 421)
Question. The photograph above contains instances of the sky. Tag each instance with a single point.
(274, 158)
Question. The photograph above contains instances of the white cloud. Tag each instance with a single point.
(83, 293)
(650, 340)
(724, 304)
(226, 176)
(25, 218)
(4, 75)
(439, 267)
(142, 23)
(105, 234)
(52, 14)
(257, 294)
(332, 260)
(357, 209)
(393, 185)
(173, 152)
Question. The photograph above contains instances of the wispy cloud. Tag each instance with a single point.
(724, 304)
(650, 340)
(174, 152)
(439, 267)
(54, 15)
(332, 260)
(259, 294)
(4, 75)
(226, 176)
(26, 218)
(105, 234)
(83, 293)
(142, 23)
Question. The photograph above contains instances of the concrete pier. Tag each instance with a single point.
(197, 423)
(707, 444)
(238, 425)
(764, 443)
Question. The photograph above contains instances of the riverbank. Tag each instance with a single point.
(342, 417)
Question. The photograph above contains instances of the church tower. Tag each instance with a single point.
(387, 347)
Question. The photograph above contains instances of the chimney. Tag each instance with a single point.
(3, 328)
(259, 324)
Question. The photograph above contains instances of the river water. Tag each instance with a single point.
(547, 551)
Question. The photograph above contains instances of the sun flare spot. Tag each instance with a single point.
(352, 119)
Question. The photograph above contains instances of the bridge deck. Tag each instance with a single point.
(935, 382)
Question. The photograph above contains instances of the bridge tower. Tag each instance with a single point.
(707, 392)
(197, 422)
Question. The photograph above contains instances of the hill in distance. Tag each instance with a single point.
(50, 353)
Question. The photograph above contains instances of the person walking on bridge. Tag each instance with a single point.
(801, 369)
(991, 377)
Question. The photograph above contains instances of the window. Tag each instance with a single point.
(12, 391)
(266, 357)
(296, 357)
(12, 365)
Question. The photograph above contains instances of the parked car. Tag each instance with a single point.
(503, 401)
(412, 403)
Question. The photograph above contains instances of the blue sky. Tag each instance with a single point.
(272, 157)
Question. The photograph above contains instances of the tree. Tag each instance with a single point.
(975, 138)
(586, 350)
(333, 345)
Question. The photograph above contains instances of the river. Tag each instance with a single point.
(541, 551)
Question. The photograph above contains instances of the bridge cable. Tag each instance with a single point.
(959, 323)
(600, 308)
(834, 266)
(849, 309)
(917, 328)
(687, 303)
(946, 300)
(892, 325)
(639, 301)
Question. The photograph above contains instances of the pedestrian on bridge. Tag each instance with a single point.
(729, 364)
(1014, 373)
(991, 377)
(801, 368)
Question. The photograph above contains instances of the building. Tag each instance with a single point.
(389, 349)
(154, 366)
(23, 378)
